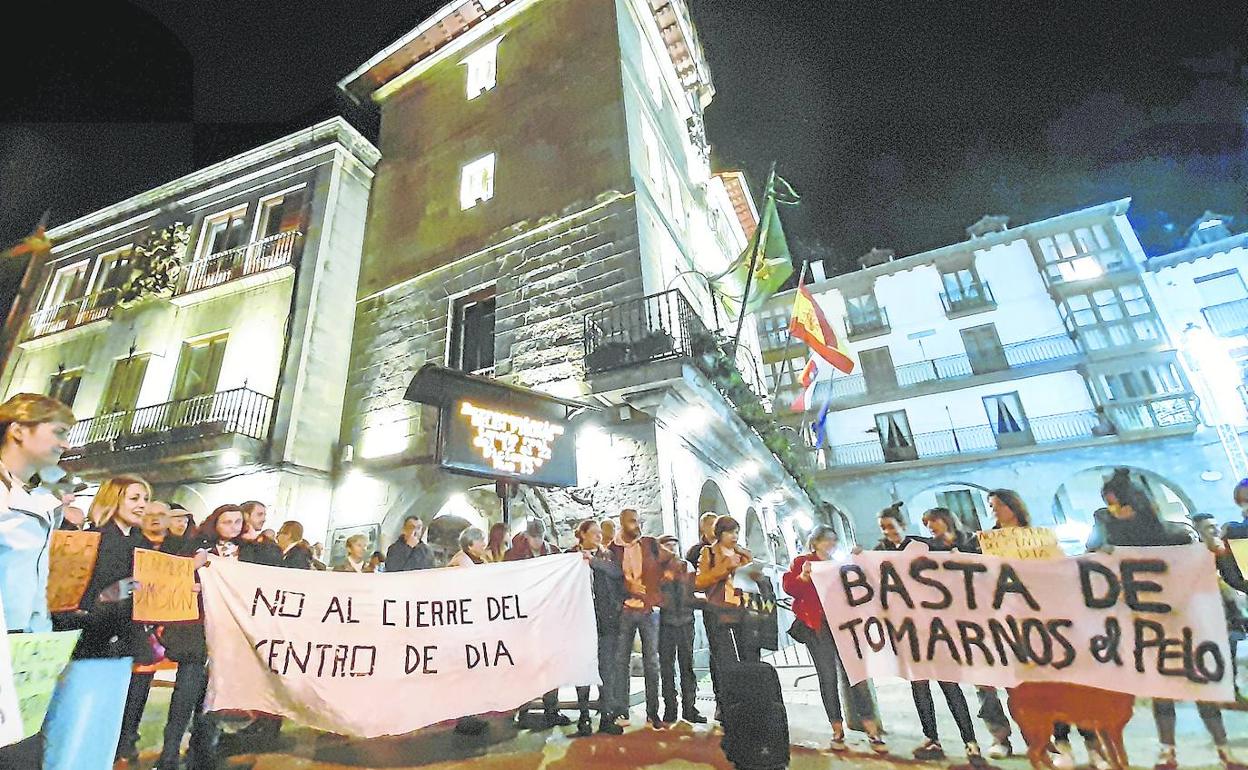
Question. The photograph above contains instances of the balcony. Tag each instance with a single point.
(971, 440)
(1229, 319)
(866, 326)
(975, 298)
(241, 267)
(239, 412)
(1159, 413)
(71, 315)
(654, 328)
(1014, 356)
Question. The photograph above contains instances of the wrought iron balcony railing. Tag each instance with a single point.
(977, 296)
(654, 328)
(239, 411)
(867, 325)
(970, 440)
(71, 314)
(256, 257)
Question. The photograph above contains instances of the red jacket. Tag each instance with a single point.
(806, 604)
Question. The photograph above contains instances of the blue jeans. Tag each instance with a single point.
(632, 622)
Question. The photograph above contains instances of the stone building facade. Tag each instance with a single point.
(545, 192)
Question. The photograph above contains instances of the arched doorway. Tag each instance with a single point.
(1079, 497)
(754, 537)
(711, 500)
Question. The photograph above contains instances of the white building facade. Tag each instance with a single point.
(1033, 358)
(201, 331)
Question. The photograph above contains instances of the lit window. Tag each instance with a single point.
(1080, 269)
(482, 66)
(476, 185)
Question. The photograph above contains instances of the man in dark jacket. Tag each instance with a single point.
(706, 536)
(407, 553)
(676, 638)
(531, 544)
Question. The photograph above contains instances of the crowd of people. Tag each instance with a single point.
(644, 588)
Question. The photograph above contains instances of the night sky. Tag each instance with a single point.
(900, 123)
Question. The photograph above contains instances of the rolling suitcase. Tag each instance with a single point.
(756, 726)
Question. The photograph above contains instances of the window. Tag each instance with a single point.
(895, 436)
(1221, 288)
(1080, 255)
(1008, 420)
(476, 185)
(282, 214)
(964, 504)
(199, 367)
(224, 232)
(983, 349)
(115, 269)
(1143, 383)
(472, 332)
(63, 386)
(877, 369)
(863, 310)
(122, 392)
(482, 69)
(68, 284)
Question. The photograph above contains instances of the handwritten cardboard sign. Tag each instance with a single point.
(166, 587)
(1239, 548)
(69, 568)
(38, 660)
(1020, 543)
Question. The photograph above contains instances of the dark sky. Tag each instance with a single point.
(899, 122)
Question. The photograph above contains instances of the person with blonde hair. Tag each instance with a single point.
(357, 547)
(34, 432)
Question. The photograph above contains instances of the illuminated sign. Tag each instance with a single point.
(531, 445)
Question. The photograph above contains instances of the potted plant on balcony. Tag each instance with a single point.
(655, 344)
(608, 354)
(157, 260)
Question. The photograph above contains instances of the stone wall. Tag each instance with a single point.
(547, 277)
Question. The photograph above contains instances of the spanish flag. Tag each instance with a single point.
(809, 325)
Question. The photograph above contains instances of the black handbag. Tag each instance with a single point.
(800, 632)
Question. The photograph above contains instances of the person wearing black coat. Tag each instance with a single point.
(676, 638)
(220, 536)
(609, 596)
(107, 604)
(408, 553)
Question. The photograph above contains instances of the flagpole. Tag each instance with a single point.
(788, 364)
(758, 241)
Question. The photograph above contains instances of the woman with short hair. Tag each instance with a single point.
(822, 646)
(717, 563)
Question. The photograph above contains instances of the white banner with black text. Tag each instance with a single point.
(375, 654)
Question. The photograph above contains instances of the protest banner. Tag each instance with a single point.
(70, 566)
(1020, 543)
(10, 714)
(319, 647)
(1146, 621)
(37, 663)
(1239, 549)
(166, 592)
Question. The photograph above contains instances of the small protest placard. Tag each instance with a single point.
(70, 566)
(37, 661)
(1020, 543)
(1239, 548)
(166, 587)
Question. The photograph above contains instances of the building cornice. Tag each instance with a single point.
(1193, 253)
(335, 134)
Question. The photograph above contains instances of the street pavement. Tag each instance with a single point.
(683, 747)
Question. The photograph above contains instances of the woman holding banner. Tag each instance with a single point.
(947, 535)
(609, 596)
(220, 536)
(33, 431)
(1133, 521)
(817, 636)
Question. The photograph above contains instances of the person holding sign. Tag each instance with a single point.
(33, 435)
(1134, 521)
(818, 640)
(608, 587)
(220, 536)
